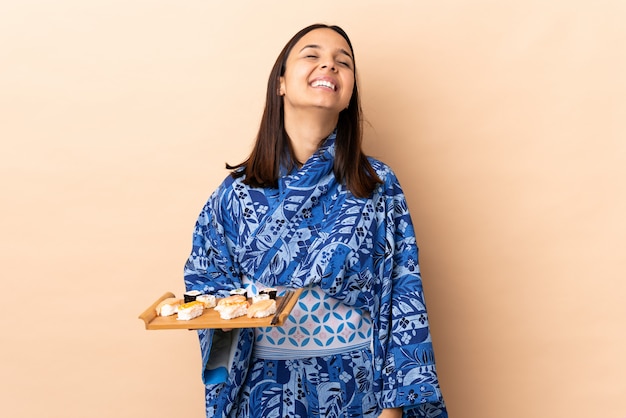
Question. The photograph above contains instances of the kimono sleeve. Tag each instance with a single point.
(409, 373)
(210, 269)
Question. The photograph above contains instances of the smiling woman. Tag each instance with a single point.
(280, 146)
(308, 210)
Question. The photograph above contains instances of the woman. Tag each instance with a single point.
(307, 209)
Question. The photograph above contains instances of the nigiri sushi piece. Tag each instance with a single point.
(262, 308)
(168, 306)
(190, 310)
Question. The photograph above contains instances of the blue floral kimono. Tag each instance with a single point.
(311, 231)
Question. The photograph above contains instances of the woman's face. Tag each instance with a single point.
(319, 73)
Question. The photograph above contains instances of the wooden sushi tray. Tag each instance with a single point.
(211, 318)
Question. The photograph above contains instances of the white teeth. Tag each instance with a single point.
(323, 83)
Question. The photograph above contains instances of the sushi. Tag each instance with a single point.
(168, 307)
(262, 308)
(232, 307)
(190, 310)
(191, 295)
(269, 291)
(239, 291)
(260, 297)
(209, 301)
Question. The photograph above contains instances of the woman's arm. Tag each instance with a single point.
(408, 373)
(391, 413)
(210, 267)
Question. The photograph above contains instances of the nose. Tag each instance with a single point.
(330, 66)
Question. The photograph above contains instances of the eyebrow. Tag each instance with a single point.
(341, 50)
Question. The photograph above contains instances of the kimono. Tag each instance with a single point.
(311, 231)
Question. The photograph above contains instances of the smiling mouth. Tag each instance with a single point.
(324, 83)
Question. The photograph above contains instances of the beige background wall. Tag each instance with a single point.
(505, 121)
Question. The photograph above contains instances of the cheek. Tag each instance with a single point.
(293, 77)
(350, 89)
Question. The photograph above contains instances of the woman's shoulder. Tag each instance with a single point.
(383, 170)
(230, 182)
(223, 191)
(234, 186)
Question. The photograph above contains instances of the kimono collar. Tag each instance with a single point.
(319, 165)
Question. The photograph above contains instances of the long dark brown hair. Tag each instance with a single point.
(273, 147)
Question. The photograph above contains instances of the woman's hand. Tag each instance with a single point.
(391, 413)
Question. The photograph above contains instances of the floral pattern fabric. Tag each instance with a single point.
(311, 231)
(316, 387)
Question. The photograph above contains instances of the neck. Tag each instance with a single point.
(307, 130)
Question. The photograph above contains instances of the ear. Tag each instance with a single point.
(281, 88)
